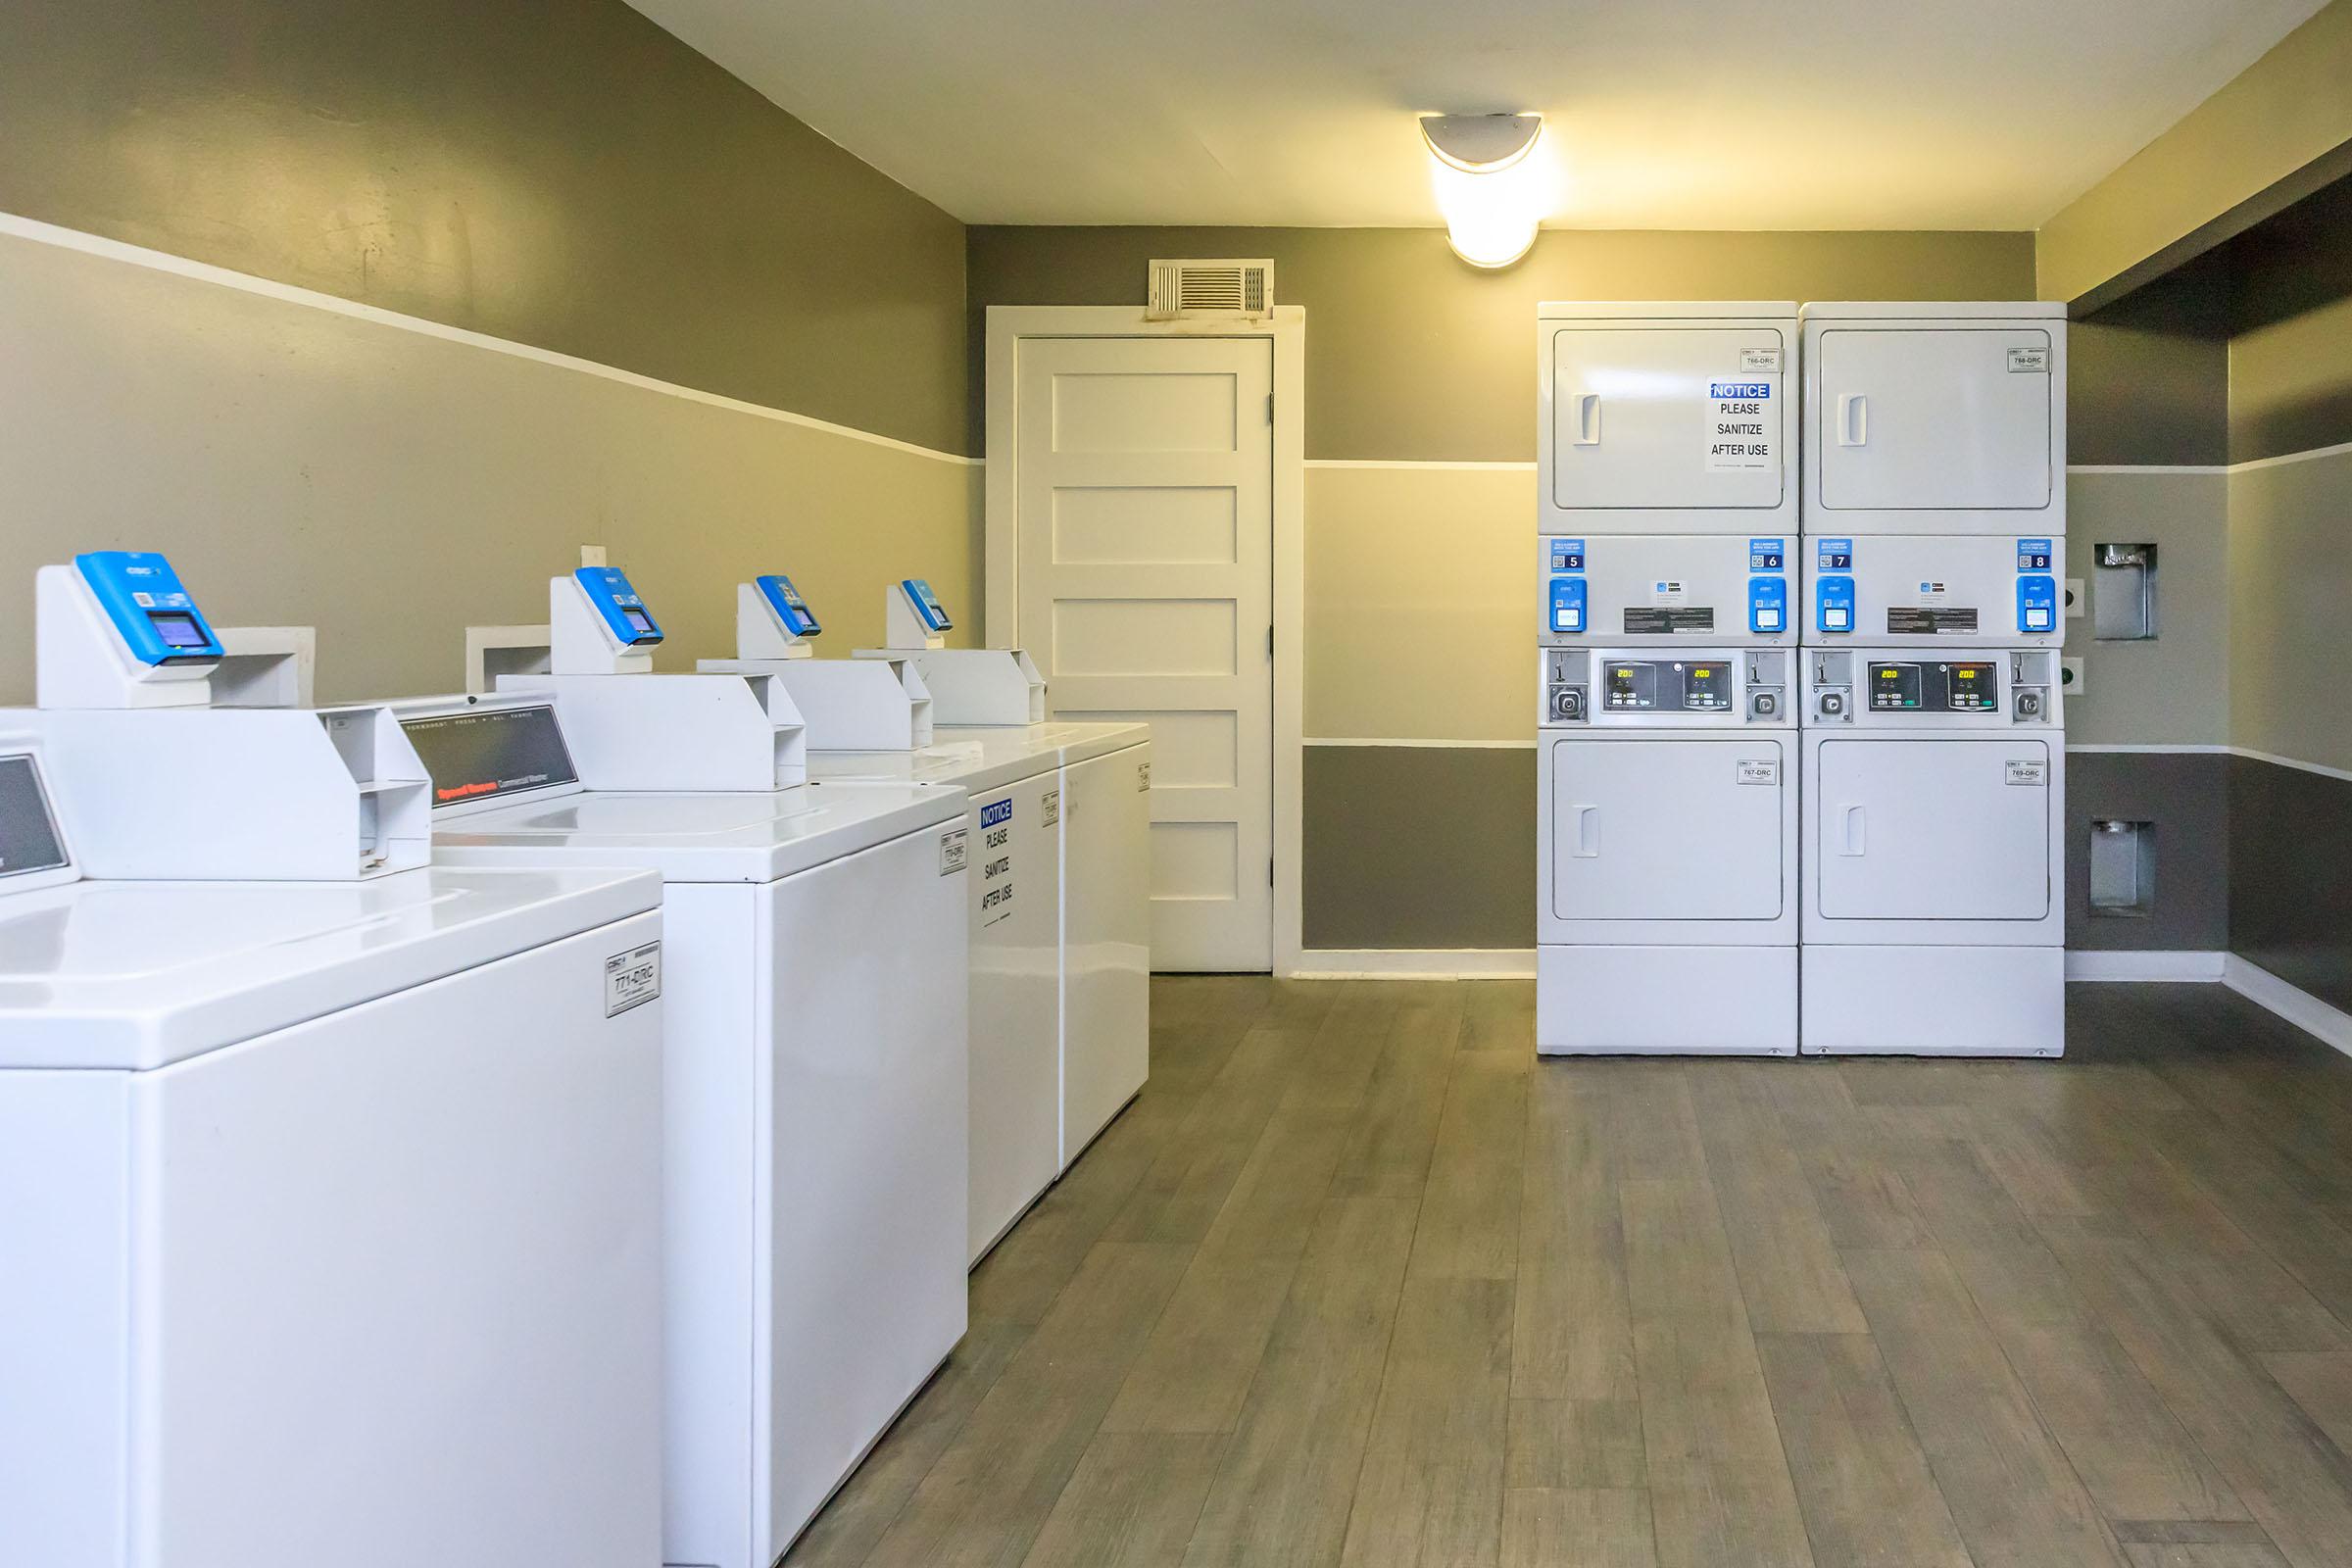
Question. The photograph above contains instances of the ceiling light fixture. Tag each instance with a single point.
(1491, 193)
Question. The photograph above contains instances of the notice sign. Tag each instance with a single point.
(1740, 425)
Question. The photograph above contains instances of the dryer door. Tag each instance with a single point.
(1666, 829)
(1936, 418)
(1935, 830)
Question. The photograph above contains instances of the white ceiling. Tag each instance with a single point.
(1662, 113)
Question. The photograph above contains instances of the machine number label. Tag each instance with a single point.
(2029, 361)
(2031, 774)
(1740, 425)
(1759, 770)
(951, 851)
(1760, 362)
(632, 978)
(1049, 809)
(1143, 776)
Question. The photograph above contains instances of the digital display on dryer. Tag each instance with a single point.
(1706, 688)
(1893, 687)
(1972, 688)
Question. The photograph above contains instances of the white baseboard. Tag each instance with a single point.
(1416, 964)
(2290, 1001)
(2084, 964)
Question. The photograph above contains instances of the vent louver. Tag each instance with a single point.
(1188, 290)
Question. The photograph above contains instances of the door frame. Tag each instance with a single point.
(1000, 542)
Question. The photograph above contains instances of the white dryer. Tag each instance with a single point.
(813, 1097)
(1667, 852)
(1933, 853)
(330, 1212)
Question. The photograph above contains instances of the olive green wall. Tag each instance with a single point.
(1411, 355)
(2265, 139)
(1420, 510)
(564, 185)
(564, 173)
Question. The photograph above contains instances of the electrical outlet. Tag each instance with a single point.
(2075, 603)
(2070, 677)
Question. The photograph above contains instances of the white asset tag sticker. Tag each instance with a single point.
(1143, 776)
(632, 978)
(2029, 361)
(1668, 591)
(1760, 362)
(1759, 770)
(2029, 773)
(950, 852)
(1050, 809)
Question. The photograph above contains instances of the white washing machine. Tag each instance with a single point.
(1666, 765)
(330, 1192)
(1105, 923)
(1667, 848)
(813, 1097)
(1935, 918)
(1012, 786)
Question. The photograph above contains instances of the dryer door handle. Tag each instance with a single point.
(1587, 832)
(1588, 419)
(1853, 419)
(1850, 821)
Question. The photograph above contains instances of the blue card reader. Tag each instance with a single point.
(624, 614)
(152, 612)
(926, 605)
(798, 619)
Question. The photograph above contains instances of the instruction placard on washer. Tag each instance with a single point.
(996, 860)
(1740, 425)
(632, 978)
(1049, 809)
(1143, 776)
(952, 851)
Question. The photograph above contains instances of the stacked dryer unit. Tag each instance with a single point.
(1667, 751)
(1935, 756)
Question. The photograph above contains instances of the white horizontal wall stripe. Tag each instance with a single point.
(1415, 963)
(2340, 449)
(2159, 750)
(2290, 761)
(74, 239)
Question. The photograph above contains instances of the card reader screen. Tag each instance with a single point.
(180, 631)
(638, 622)
(1972, 688)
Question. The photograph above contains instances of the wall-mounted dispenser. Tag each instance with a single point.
(2123, 867)
(2124, 593)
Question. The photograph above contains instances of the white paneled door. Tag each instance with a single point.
(1146, 530)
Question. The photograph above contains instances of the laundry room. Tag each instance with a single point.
(859, 785)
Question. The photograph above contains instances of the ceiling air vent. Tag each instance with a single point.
(1182, 291)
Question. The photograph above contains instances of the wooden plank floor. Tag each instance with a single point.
(1359, 1281)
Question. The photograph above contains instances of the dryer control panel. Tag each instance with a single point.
(1934, 590)
(1666, 589)
(1636, 686)
(1878, 686)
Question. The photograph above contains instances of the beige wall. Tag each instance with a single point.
(2283, 113)
(1413, 355)
(302, 467)
(563, 173)
(2174, 690)
(2290, 609)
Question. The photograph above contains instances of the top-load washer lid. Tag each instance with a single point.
(978, 759)
(1081, 741)
(699, 838)
(140, 975)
